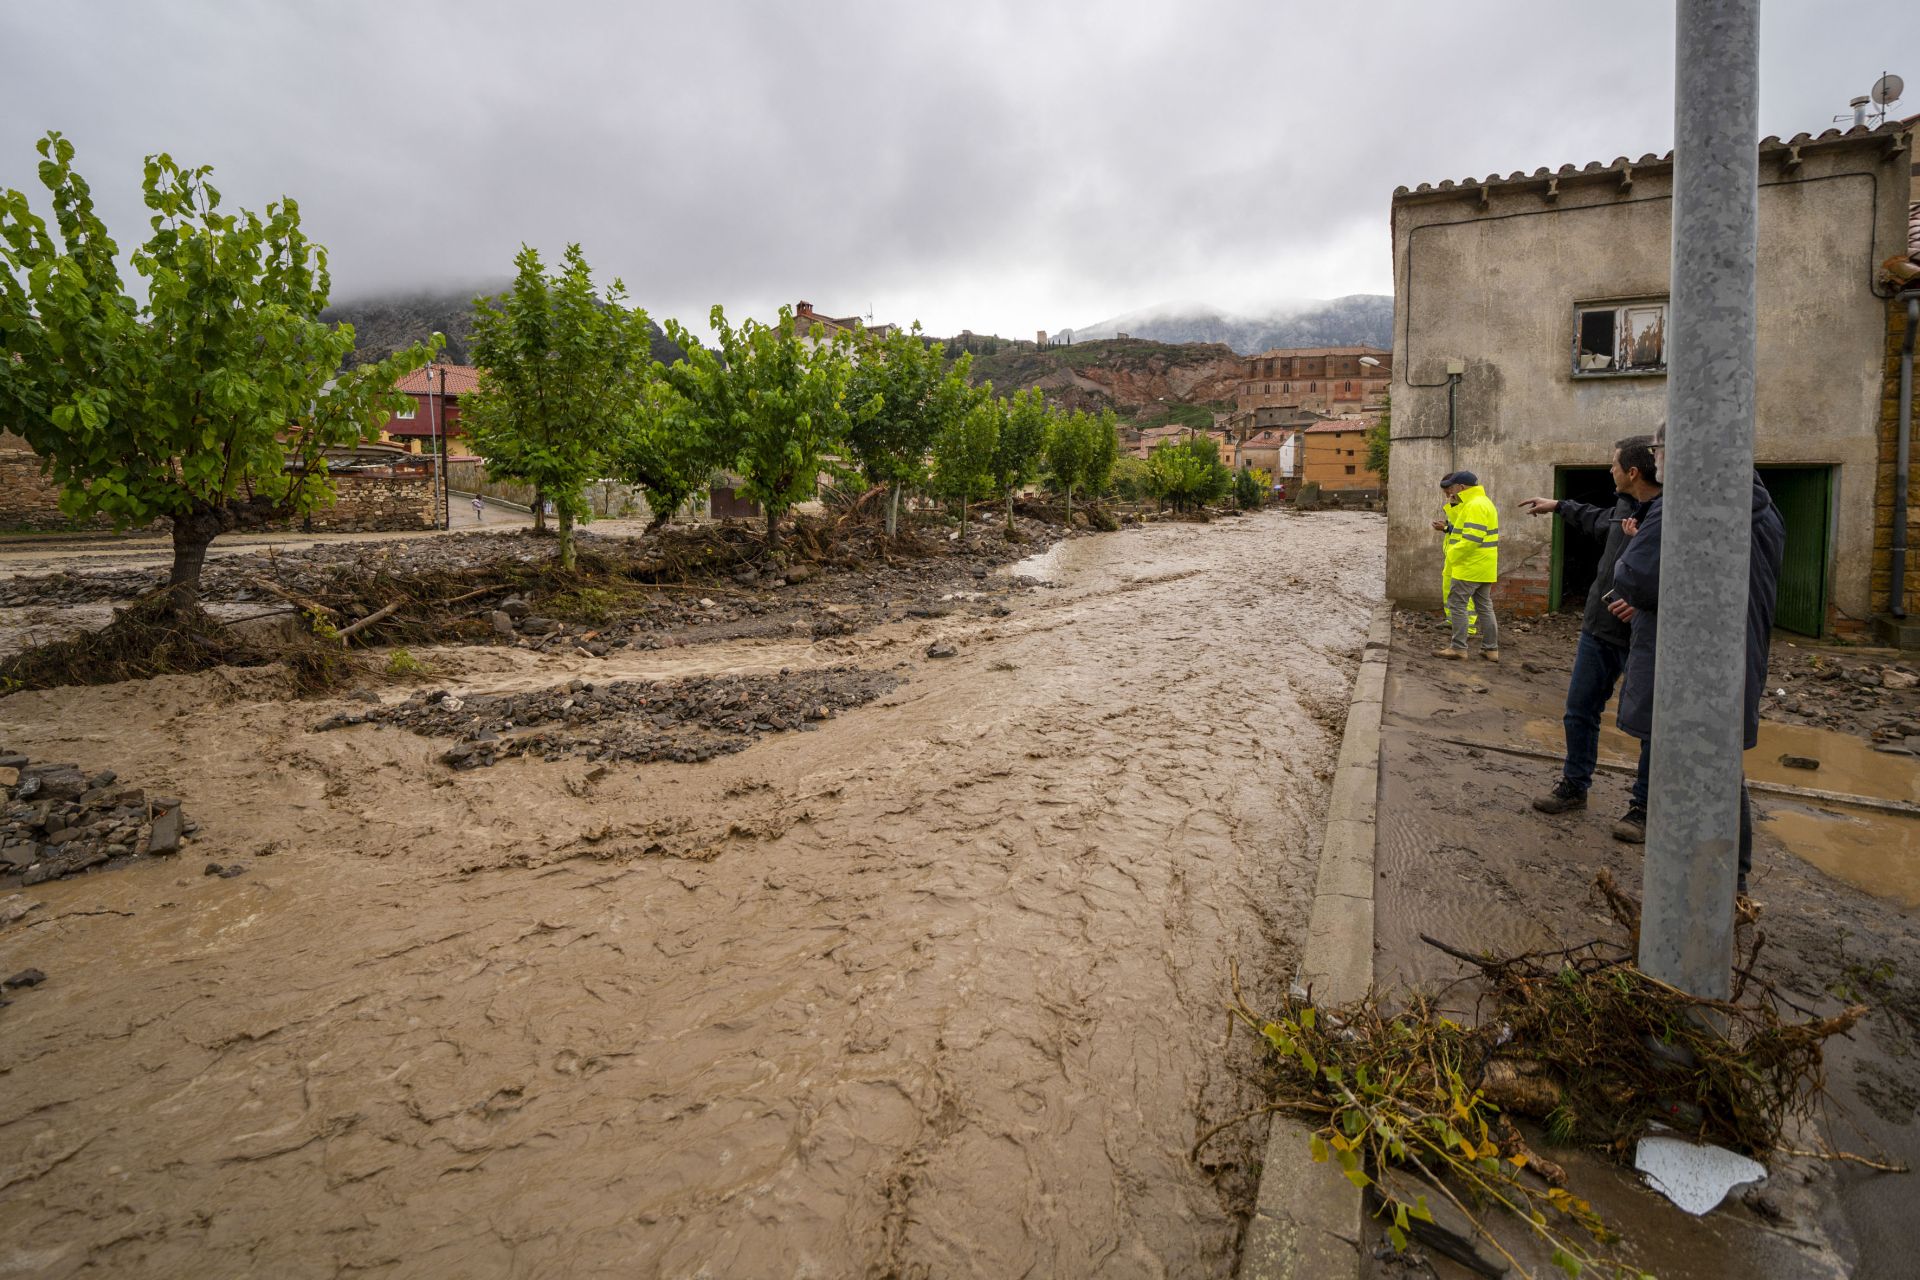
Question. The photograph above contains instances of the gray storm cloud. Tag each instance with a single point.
(990, 166)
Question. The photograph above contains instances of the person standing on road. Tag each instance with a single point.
(1605, 640)
(1636, 583)
(479, 510)
(1472, 551)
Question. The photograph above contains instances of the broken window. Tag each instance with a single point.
(1620, 337)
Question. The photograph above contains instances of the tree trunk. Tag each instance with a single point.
(539, 511)
(963, 522)
(893, 510)
(1069, 504)
(565, 514)
(191, 535)
(1010, 528)
(773, 529)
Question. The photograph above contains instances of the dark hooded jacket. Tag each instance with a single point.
(1602, 523)
(1636, 577)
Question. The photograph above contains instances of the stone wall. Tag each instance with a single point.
(30, 501)
(1883, 490)
(374, 504)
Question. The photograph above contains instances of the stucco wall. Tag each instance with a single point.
(1494, 284)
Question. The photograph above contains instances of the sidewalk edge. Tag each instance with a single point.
(1307, 1221)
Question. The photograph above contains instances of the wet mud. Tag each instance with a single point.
(935, 989)
(1464, 858)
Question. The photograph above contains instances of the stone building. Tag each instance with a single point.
(1323, 380)
(1530, 333)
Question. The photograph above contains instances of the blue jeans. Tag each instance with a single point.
(1597, 667)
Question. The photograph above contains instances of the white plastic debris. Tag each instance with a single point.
(1694, 1175)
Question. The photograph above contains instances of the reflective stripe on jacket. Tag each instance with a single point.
(1473, 537)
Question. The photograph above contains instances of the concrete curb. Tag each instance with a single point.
(1307, 1222)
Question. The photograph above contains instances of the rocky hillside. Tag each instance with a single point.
(382, 326)
(1128, 376)
(1360, 319)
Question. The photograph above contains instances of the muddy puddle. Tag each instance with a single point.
(934, 988)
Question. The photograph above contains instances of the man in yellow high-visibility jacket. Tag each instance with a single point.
(1472, 526)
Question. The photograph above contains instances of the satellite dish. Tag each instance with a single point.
(1887, 89)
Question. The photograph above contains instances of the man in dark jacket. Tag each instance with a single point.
(1636, 580)
(1604, 639)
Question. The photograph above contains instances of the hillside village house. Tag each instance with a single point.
(1333, 455)
(1531, 332)
(435, 413)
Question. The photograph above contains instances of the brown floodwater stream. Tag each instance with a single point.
(935, 990)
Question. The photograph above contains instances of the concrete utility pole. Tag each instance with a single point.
(1686, 935)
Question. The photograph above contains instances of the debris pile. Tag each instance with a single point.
(1416, 1106)
(61, 820)
(685, 721)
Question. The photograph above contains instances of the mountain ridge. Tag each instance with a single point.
(1358, 319)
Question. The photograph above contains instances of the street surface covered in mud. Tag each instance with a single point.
(930, 984)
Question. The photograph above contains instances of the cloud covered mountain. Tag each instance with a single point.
(1359, 319)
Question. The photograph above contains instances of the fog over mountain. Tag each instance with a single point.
(1359, 319)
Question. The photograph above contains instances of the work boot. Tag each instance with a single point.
(1632, 827)
(1491, 655)
(1450, 653)
(1564, 798)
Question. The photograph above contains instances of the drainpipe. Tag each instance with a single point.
(1699, 684)
(1898, 587)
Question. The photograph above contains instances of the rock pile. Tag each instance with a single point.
(60, 820)
(686, 721)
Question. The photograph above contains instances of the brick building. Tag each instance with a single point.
(1326, 380)
(435, 415)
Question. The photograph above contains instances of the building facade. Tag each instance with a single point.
(1333, 455)
(1324, 380)
(1531, 332)
(435, 414)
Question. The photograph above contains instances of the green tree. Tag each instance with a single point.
(665, 448)
(890, 399)
(1380, 442)
(1188, 473)
(562, 366)
(1248, 491)
(963, 453)
(772, 402)
(1023, 439)
(211, 403)
(1103, 450)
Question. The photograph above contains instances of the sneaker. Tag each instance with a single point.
(1632, 827)
(1491, 655)
(1450, 653)
(1564, 798)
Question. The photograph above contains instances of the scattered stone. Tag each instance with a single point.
(165, 834)
(503, 624)
(685, 721)
(15, 907)
(226, 872)
(26, 978)
(533, 625)
(1894, 678)
(941, 649)
(1799, 762)
(8, 775)
(514, 607)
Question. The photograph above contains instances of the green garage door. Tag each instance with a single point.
(1804, 496)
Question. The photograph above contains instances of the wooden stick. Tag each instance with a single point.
(473, 594)
(370, 619)
(313, 606)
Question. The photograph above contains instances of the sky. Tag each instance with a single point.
(1000, 167)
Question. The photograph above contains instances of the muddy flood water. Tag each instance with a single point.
(933, 990)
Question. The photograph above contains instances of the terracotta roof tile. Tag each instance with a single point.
(461, 378)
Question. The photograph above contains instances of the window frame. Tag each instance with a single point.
(1620, 308)
(411, 412)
